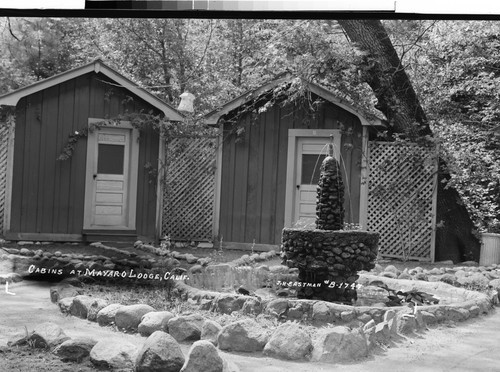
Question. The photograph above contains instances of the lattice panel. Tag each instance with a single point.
(189, 188)
(4, 145)
(401, 193)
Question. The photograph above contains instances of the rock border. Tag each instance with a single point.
(363, 329)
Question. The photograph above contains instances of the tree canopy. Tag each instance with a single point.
(453, 66)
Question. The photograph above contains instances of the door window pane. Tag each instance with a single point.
(110, 159)
(311, 164)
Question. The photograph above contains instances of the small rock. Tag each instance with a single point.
(26, 252)
(226, 303)
(392, 269)
(405, 275)
(75, 350)
(389, 274)
(457, 314)
(252, 306)
(428, 317)
(347, 315)
(190, 259)
(196, 269)
(278, 269)
(203, 356)
(321, 312)
(277, 307)
(117, 355)
(421, 276)
(469, 263)
(406, 323)
(435, 271)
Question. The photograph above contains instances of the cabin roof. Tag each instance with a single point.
(97, 66)
(366, 118)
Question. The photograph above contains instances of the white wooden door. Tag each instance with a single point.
(111, 179)
(310, 153)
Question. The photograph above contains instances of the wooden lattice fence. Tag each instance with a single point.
(402, 193)
(189, 188)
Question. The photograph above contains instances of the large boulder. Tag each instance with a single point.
(289, 341)
(203, 356)
(210, 331)
(75, 350)
(186, 327)
(155, 321)
(243, 335)
(65, 304)
(116, 355)
(340, 344)
(48, 335)
(129, 317)
(81, 305)
(106, 316)
(97, 305)
(160, 353)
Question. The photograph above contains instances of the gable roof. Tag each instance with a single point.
(12, 98)
(366, 118)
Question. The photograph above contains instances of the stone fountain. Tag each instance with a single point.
(328, 257)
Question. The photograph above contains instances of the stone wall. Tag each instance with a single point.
(330, 260)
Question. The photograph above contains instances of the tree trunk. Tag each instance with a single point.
(381, 69)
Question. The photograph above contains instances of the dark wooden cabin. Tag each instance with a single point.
(269, 164)
(104, 190)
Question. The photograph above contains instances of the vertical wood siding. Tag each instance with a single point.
(254, 167)
(48, 195)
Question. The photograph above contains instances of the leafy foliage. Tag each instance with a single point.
(453, 66)
(413, 296)
(456, 72)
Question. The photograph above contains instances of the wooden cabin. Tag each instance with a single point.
(104, 191)
(268, 163)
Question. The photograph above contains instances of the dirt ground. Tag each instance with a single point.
(470, 346)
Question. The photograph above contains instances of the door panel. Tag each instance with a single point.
(111, 179)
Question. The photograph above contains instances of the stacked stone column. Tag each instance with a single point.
(329, 258)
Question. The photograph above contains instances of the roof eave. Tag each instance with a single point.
(12, 98)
